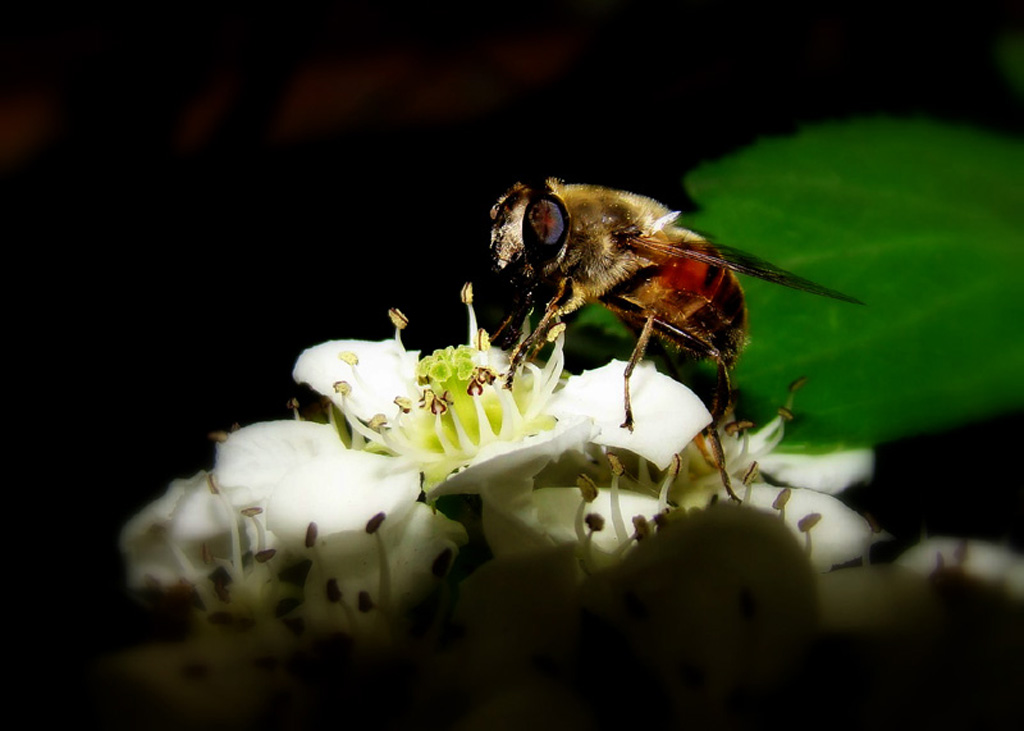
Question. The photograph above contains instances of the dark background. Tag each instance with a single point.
(196, 192)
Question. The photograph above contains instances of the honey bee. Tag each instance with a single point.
(562, 246)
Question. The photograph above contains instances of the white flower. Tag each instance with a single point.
(983, 561)
(441, 413)
(162, 544)
(288, 499)
(531, 496)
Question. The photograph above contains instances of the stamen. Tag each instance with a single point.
(734, 427)
(749, 477)
(384, 588)
(588, 493)
(482, 341)
(236, 541)
(642, 529)
(261, 533)
(404, 404)
(293, 404)
(588, 489)
(780, 501)
(511, 417)
(311, 533)
(333, 591)
(400, 321)
(446, 446)
(678, 462)
(466, 444)
(374, 523)
(467, 299)
(617, 521)
(485, 432)
(805, 524)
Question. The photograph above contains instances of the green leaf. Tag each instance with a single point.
(922, 221)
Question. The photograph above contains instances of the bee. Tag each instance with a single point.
(562, 246)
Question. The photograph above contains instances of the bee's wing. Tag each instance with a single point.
(692, 246)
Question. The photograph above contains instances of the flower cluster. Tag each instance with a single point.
(319, 555)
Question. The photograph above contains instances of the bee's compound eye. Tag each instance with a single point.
(547, 221)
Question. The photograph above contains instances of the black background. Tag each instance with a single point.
(182, 222)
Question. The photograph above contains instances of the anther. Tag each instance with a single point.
(377, 422)
(403, 403)
(398, 319)
(785, 413)
(374, 523)
(587, 488)
(342, 387)
(467, 293)
(311, 532)
(797, 384)
(594, 521)
(805, 524)
(349, 357)
(251, 512)
(432, 402)
(733, 427)
(364, 603)
(779, 503)
(482, 341)
(808, 521)
(485, 375)
(616, 464)
(333, 591)
(752, 473)
(265, 555)
(293, 405)
(641, 526)
(218, 436)
(677, 465)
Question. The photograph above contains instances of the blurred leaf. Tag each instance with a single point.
(922, 221)
(1008, 53)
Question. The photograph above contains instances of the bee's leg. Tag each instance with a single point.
(526, 344)
(511, 327)
(720, 404)
(638, 353)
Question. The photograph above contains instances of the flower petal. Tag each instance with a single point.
(252, 461)
(829, 473)
(158, 539)
(667, 415)
(982, 560)
(340, 493)
(842, 534)
(500, 463)
(384, 370)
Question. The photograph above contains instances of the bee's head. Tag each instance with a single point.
(530, 228)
